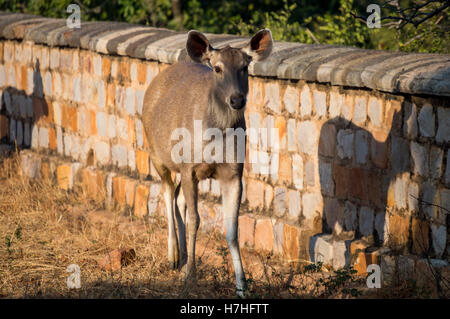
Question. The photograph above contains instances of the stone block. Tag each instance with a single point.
(297, 171)
(255, 194)
(291, 249)
(366, 221)
(426, 121)
(294, 204)
(410, 120)
(419, 155)
(443, 132)
(420, 235)
(320, 103)
(246, 231)
(291, 99)
(305, 102)
(375, 111)
(312, 205)
(140, 200)
(327, 142)
(280, 200)
(307, 137)
(345, 143)
(264, 236)
(322, 249)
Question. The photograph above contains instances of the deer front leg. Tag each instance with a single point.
(180, 214)
(189, 186)
(231, 199)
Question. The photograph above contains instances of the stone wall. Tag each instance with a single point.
(362, 136)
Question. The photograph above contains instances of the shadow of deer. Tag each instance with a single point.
(367, 184)
(21, 111)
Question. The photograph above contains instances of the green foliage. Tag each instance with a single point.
(281, 23)
(339, 279)
(18, 232)
(343, 28)
(430, 37)
(313, 268)
(9, 240)
(306, 21)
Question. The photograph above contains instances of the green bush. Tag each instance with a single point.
(306, 21)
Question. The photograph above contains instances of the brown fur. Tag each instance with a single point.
(215, 95)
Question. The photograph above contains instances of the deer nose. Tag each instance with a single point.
(237, 101)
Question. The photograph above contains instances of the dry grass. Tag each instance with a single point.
(44, 229)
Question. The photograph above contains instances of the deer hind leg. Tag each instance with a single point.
(180, 214)
(189, 186)
(168, 189)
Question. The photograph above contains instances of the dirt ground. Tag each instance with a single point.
(44, 229)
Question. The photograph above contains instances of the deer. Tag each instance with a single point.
(211, 88)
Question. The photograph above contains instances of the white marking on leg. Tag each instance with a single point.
(172, 238)
(231, 195)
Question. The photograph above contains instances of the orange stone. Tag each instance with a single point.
(70, 118)
(52, 138)
(130, 186)
(357, 246)
(24, 77)
(285, 169)
(131, 130)
(141, 72)
(255, 193)
(45, 171)
(280, 124)
(106, 67)
(264, 235)
(360, 264)
(93, 183)
(398, 231)
(125, 69)
(246, 231)
(64, 176)
(291, 248)
(140, 200)
(119, 190)
(111, 94)
(142, 162)
(391, 197)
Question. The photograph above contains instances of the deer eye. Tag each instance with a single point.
(217, 69)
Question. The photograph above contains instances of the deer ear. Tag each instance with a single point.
(260, 45)
(198, 46)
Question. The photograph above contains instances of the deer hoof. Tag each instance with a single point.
(173, 265)
(241, 293)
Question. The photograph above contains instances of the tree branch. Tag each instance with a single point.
(412, 15)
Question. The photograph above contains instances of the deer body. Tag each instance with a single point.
(178, 97)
